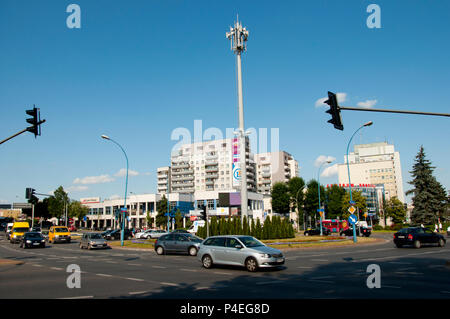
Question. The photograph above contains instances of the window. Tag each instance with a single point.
(217, 241)
(232, 242)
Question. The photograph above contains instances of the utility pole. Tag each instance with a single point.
(238, 37)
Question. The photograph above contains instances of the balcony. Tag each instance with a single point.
(212, 169)
(183, 178)
(212, 176)
(183, 172)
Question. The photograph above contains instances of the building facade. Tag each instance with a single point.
(377, 164)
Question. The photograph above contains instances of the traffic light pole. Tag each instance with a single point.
(18, 133)
(391, 111)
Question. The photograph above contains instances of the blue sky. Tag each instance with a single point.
(137, 70)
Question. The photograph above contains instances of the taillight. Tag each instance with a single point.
(410, 237)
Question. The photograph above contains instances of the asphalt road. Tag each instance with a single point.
(339, 272)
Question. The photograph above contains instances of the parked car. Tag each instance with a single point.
(417, 236)
(106, 233)
(116, 234)
(316, 231)
(93, 240)
(154, 233)
(59, 234)
(141, 233)
(32, 239)
(178, 243)
(366, 232)
(238, 250)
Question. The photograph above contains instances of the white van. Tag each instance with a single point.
(194, 228)
(9, 226)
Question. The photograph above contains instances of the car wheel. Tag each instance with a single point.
(160, 250)
(441, 243)
(192, 251)
(207, 261)
(251, 264)
(416, 244)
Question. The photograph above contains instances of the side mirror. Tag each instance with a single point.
(238, 246)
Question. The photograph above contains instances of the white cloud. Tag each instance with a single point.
(330, 171)
(72, 189)
(322, 159)
(367, 103)
(94, 179)
(122, 172)
(341, 97)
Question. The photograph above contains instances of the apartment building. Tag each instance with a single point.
(274, 167)
(164, 179)
(206, 166)
(377, 164)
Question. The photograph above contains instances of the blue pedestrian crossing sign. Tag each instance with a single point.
(352, 219)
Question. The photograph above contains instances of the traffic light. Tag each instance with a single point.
(202, 212)
(335, 111)
(29, 192)
(35, 121)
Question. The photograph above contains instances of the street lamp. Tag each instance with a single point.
(126, 186)
(318, 189)
(348, 170)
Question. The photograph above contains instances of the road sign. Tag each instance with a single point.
(352, 209)
(352, 219)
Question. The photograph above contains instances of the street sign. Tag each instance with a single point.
(352, 202)
(352, 219)
(352, 209)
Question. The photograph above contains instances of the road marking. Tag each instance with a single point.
(320, 260)
(135, 264)
(104, 275)
(138, 292)
(201, 288)
(169, 284)
(111, 262)
(80, 297)
(135, 279)
(408, 273)
(36, 265)
(222, 273)
(304, 267)
(56, 268)
(192, 270)
(159, 267)
(394, 287)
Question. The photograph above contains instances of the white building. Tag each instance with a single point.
(375, 163)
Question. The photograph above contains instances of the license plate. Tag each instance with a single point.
(36, 244)
(279, 260)
(401, 236)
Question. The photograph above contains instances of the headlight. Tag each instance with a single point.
(56, 236)
(265, 255)
(28, 241)
(43, 241)
(14, 235)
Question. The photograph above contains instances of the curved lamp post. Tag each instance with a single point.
(126, 186)
(318, 190)
(348, 170)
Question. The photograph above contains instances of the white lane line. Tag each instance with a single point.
(135, 264)
(159, 267)
(169, 284)
(201, 288)
(191, 270)
(138, 292)
(304, 267)
(79, 297)
(36, 265)
(320, 260)
(104, 275)
(134, 279)
(222, 273)
(56, 268)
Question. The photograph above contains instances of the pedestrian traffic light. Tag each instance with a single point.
(35, 121)
(335, 111)
(202, 212)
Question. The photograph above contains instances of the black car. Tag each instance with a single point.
(180, 231)
(116, 234)
(106, 233)
(32, 239)
(416, 236)
(366, 232)
(316, 231)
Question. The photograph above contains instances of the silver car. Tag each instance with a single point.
(177, 243)
(153, 233)
(93, 240)
(239, 250)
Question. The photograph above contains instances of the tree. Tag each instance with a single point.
(280, 198)
(395, 209)
(161, 208)
(430, 198)
(312, 197)
(78, 210)
(333, 199)
(57, 202)
(296, 185)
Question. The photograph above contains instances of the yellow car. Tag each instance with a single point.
(17, 231)
(59, 234)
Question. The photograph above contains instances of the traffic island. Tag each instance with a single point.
(9, 262)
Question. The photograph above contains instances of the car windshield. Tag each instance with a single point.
(194, 238)
(21, 230)
(405, 230)
(61, 230)
(33, 235)
(96, 236)
(250, 241)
